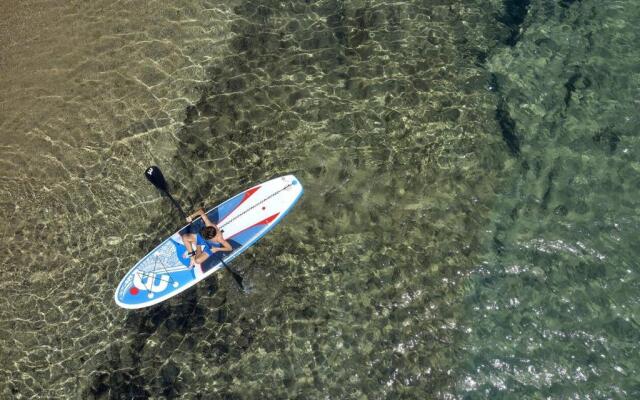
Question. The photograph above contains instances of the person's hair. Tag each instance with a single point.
(208, 232)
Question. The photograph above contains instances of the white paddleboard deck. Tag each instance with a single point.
(243, 219)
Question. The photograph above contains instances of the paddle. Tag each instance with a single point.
(154, 175)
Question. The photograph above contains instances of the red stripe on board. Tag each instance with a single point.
(265, 221)
(247, 194)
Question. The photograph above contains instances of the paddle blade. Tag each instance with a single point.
(154, 175)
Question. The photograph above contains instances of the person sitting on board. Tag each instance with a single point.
(204, 244)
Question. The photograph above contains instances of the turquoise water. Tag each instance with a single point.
(553, 307)
(470, 208)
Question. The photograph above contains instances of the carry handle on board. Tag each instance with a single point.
(154, 175)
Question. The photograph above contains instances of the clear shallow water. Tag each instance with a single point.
(554, 304)
(466, 229)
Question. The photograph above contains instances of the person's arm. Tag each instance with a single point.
(207, 221)
(225, 245)
(199, 213)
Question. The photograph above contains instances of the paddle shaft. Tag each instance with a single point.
(175, 203)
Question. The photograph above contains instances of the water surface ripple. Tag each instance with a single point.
(466, 230)
(553, 307)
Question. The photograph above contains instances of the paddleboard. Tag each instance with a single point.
(243, 220)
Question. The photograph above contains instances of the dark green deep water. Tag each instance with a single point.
(469, 223)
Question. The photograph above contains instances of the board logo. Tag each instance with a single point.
(148, 282)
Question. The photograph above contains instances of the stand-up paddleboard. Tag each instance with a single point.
(243, 219)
